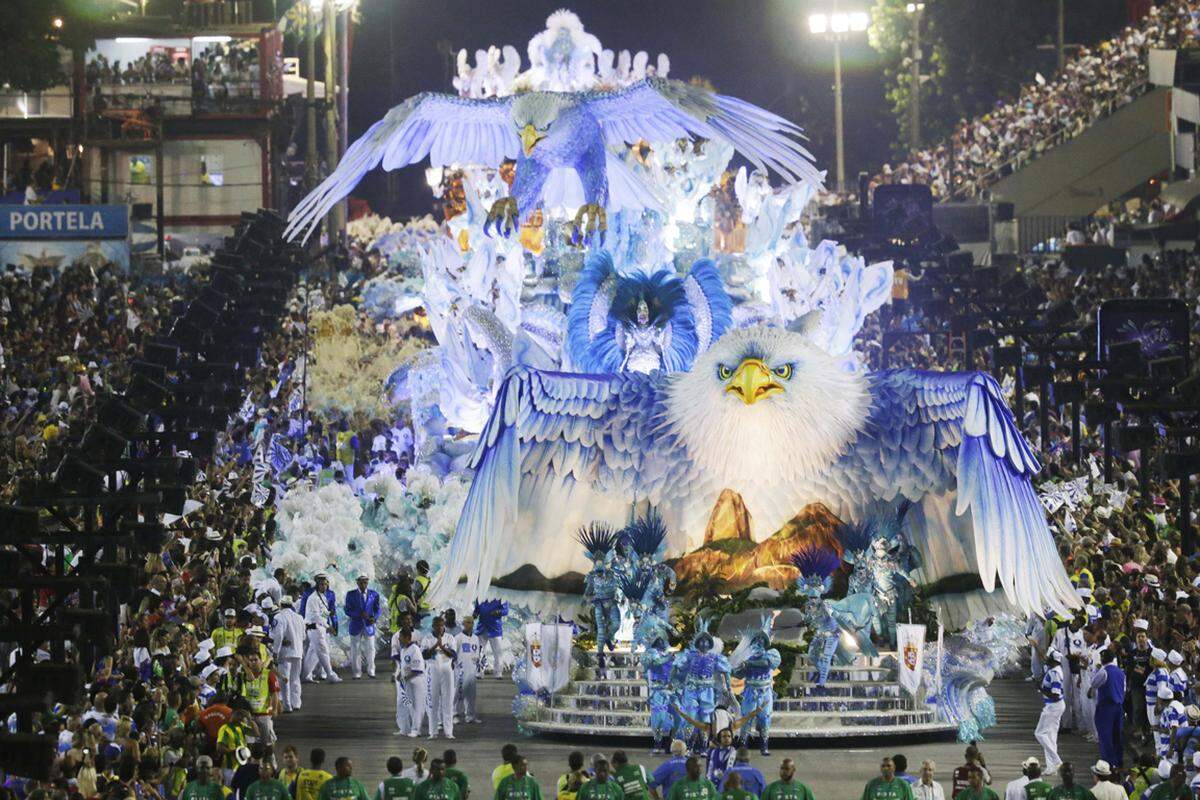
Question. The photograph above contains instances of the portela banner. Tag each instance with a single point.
(910, 644)
(92, 222)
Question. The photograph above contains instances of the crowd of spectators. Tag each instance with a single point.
(1046, 112)
(220, 72)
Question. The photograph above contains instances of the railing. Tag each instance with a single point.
(52, 103)
(180, 98)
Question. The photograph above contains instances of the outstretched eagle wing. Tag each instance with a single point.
(662, 110)
(948, 443)
(448, 129)
(559, 451)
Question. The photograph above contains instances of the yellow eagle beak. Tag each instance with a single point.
(752, 382)
(529, 137)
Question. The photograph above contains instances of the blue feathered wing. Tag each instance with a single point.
(559, 451)
(948, 443)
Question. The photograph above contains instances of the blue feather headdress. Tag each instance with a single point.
(646, 533)
(856, 536)
(598, 539)
(635, 585)
(816, 565)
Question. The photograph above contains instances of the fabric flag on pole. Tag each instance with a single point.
(910, 642)
(296, 400)
(281, 457)
(247, 409)
(535, 660)
(559, 660)
(132, 320)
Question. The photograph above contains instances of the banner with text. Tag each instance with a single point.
(64, 222)
(547, 656)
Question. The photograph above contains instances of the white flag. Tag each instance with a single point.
(910, 644)
(132, 320)
(535, 660)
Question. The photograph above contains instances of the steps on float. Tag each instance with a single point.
(859, 700)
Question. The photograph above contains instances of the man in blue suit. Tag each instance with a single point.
(362, 609)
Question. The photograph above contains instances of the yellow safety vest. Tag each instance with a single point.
(257, 692)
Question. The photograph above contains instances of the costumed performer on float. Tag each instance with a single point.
(489, 627)
(755, 662)
(703, 672)
(816, 566)
(646, 580)
(601, 587)
(661, 694)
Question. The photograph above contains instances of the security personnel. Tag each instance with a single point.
(230, 633)
(319, 609)
(421, 587)
(362, 609)
(287, 637)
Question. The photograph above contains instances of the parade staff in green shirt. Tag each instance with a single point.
(450, 759)
(395, 787)
(204, 787)
(437, 786)
(602, 786)
(887, 786)
(693, 786)
(520, 785)
(267, 787)
(787, 787)
(632, 777)
(733, 788)
(343, 785)
(1174, 787)
(975, 789)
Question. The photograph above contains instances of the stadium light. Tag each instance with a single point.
(818, 23)
(837, 26)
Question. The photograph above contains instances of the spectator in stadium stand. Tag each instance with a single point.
(887, 786)
(787, 787)
(927, 788)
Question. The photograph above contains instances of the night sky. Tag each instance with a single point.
(759, 50)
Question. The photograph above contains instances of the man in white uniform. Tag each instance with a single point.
(410, 684)
(1052, 710)
(440, 653)
(319, 608)
(287, 634)
(468, 670)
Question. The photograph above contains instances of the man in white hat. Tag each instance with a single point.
(1105, 788)
(318, 606)
(1031, 769)
(209, 677)
(1158, 677)
(229, 633)
(362, 610)
(287, 637)
(1170, 714)
(1052, 709)
(1180, 683)
(1185, 739)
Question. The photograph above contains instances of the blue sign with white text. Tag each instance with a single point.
(64, 222)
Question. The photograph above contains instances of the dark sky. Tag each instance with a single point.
(758, 50)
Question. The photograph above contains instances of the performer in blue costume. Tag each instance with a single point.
(702, 672)
(646, 581)
(489, 626)
(661, 695)
(817, 566)
(601, 587)
(757, 669)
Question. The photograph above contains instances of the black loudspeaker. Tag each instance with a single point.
(902, 213)
(28, 755)
(139, 211)
(966, 222)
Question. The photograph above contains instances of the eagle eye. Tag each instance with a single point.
(724, 372)
(784, 371)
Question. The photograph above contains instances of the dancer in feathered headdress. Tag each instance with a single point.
(601, 587)
(817, 566)
(703, 669)
(662, 696)
(755, 662)
(649, 580)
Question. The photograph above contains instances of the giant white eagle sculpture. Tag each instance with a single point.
(768, 415)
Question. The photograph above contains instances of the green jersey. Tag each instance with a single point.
(1038, 790)
(787, 790)
(445, 789)
(685, 789)
(736, 794)
(595, 790)
(1071, 793)
(202, 791)
(1165, 791)
(343, 789)
(880, 789)
(395, 788)
(268, 790)
(984, 793)
(460, 778)
(632, 778)
(514, 788)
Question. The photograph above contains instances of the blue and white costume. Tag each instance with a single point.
(601, 587)
(1052, 711)
(758, 697)
(661, 695)
(702, 672)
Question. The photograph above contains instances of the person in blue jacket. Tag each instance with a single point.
(362, 610)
